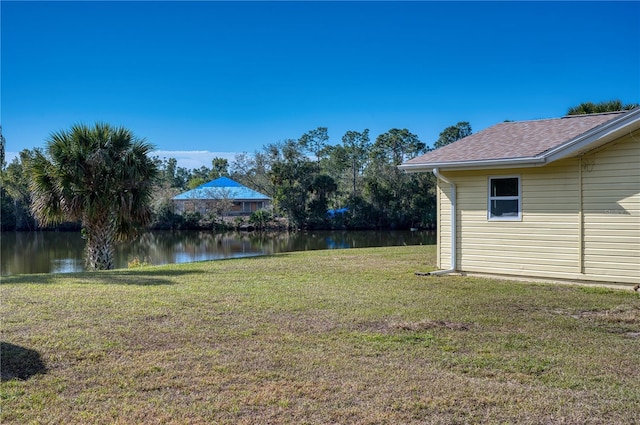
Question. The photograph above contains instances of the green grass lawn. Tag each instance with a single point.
(319, 337)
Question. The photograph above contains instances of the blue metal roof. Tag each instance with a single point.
(222, 187)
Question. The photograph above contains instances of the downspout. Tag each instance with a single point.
(580, 217)
(454, 232)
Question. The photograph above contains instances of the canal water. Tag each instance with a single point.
(62, 252)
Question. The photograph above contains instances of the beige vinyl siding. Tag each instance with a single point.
(544, 242)
(444, 225)
(611, 205)
(580, 219)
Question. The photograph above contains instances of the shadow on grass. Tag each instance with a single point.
(19, 363)
(114, 277)
(259, 257)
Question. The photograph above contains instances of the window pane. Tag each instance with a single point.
(500, 208)
(504, 187)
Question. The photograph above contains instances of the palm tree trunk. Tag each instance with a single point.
(100, 240)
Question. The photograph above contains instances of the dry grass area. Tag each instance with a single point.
(322, 337)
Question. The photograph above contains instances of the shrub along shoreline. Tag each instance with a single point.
(336, 336)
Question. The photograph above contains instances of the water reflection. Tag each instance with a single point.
(62, 252)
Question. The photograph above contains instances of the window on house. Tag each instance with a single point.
(504, 198)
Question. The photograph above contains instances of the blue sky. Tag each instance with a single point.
(203, 79)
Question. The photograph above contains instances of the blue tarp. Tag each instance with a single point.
(332, 213)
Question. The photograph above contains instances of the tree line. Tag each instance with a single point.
(306, 177)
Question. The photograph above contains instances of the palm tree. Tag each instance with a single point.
(101, 176)
(598, 108)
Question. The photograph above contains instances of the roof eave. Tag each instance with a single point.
(586, 142)
(475, 165)
(596, 137)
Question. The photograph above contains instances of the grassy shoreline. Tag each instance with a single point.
(338, 336)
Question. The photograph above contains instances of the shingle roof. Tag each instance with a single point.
(513, 140)
(222, 187)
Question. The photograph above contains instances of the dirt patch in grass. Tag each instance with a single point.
(423, 325)
(623, 320)
(628, 314)
(409, 326)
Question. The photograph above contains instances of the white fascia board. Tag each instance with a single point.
(475, 165)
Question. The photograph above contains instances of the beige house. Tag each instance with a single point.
(554, 198)
(222, 196)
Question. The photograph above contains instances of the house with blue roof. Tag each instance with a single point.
(221, 196)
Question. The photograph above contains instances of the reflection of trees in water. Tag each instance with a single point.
(356, 239)
(271, 242)
(174, 246)
(180, 246)
(40, 251)
(56, 252)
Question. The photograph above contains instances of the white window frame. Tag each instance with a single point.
(518, 198)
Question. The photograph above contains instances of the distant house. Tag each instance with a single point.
(222, 196)
(552, 198)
